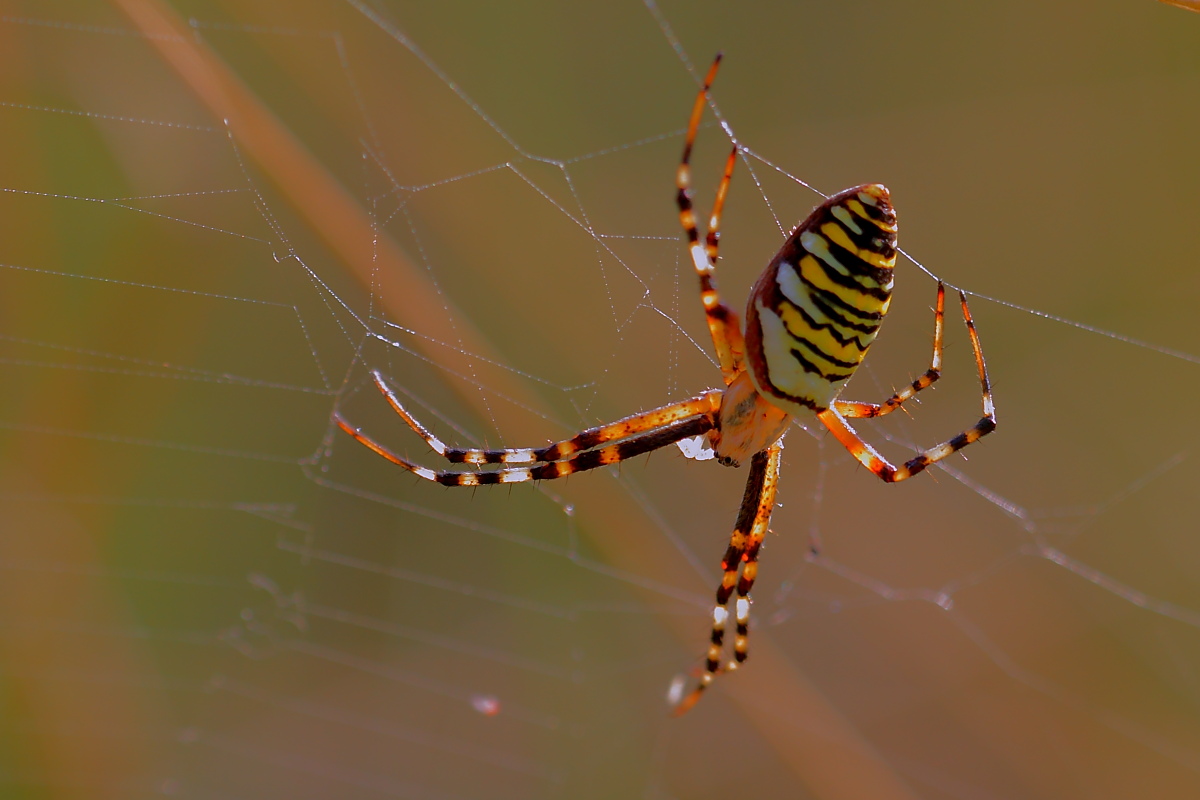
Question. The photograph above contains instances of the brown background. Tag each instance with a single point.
(205, 593)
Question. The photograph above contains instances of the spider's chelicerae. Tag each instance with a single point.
(811, 316)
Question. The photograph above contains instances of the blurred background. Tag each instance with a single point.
(217, 217)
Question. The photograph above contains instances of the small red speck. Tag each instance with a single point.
(486, 704)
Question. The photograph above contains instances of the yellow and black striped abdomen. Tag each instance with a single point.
(817, 307)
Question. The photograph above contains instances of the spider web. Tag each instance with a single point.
(217, 218)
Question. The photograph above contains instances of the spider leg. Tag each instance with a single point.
(647, 441)
(754, 517)
(758, 531)
(849, 408)
(871, 459)
(723, 321)
(588, 439)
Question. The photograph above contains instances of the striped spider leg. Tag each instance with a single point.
(834, 418)
(589, 449)
(810, 319)
(722, 320)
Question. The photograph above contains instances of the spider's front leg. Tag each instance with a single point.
(588, 449)
(740, 568)
(706, 404)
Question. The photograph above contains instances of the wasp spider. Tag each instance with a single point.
(810, 319)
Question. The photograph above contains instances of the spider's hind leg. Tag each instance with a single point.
(723, 321)
(852, 409)
(872, 460)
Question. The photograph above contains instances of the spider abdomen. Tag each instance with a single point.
(816, 308)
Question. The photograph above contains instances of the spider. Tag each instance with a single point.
(810, 318)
